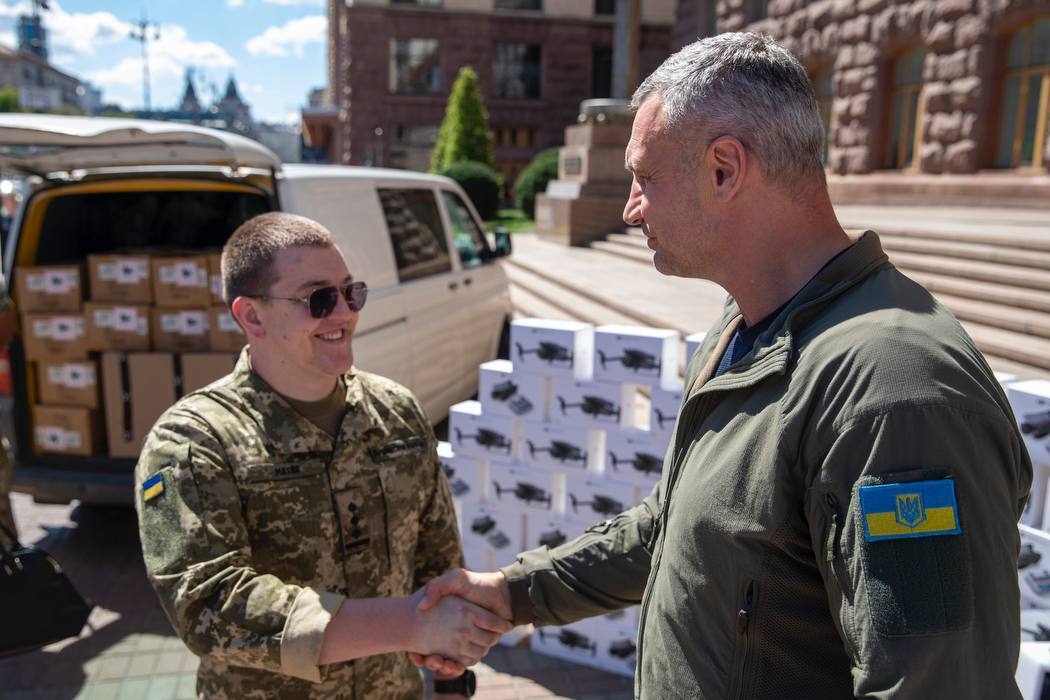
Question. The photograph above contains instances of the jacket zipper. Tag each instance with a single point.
(743, 628)
(836, 565)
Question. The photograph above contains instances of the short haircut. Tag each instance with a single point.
(749, 87)
(247, 258)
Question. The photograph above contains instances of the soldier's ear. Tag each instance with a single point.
(245, 311)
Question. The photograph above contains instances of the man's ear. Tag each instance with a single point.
(727, 162)
(246, 312)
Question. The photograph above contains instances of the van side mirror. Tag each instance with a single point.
(503, 244)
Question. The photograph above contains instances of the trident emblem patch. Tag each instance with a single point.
(910, 511)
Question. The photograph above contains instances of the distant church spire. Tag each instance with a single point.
(190, 103)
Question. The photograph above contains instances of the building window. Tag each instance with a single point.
(516, 71)
(905, 110)
(1026, 92)
(601, 71)
(415, 67)
(822, 91)
(414, 222)
(605, 7)
(519, 4)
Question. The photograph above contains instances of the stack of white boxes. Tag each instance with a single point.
(558, 441)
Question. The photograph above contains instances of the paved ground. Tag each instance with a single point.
(128, 650)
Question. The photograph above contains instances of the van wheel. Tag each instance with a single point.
(503, 352)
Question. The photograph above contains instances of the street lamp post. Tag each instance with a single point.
(140, 32)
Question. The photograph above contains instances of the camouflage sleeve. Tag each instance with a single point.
(438, 549)
(198, 558)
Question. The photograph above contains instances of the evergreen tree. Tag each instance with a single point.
(464, 133)
(9, 100)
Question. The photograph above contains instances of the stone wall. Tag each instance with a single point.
(964, 40)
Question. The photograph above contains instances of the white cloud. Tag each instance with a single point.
(234, 3)
(289, 37)
(8, 39)
(312, 3)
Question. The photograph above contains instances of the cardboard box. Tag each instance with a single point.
(502, 392)
(179, 329)
(563, 449)
(617, 646)
(592, 404)
(595, 498)
(224, 333)
(635, 456)
(117, 326)
(573, 642)
(198, 370)
(468, 477)
(1033, 668)
(68, 383)
(120, 278)
(553, 530)
(49, 288)
(664, 404)
(636, 354)
(493, 526)
(136, 388)
(553, 348)
(1033, 568)
(1031, 403)
(693, 342)
(180, 281)
(1035, 513)
(66, 430)
(215, 278)
(527, 490)
(476, 434)
(58, 336)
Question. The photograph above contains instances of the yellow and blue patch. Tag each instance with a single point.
(152, 487)
(915, 509)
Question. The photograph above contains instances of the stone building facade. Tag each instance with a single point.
(391, 64)
(918, 86)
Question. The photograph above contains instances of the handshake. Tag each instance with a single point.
(461, 615)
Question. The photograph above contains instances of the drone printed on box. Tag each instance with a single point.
(559, 450)
(571, 639)
(594, 406)
(486, 438)
(458, 486)
(634, 360)
(485, 525)
(602, 505)
(1036, 424)
(507, 392)
(524, 491)
(547, 351)
(642, 461)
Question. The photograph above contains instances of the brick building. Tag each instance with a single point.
(391, 64)
(938, 87)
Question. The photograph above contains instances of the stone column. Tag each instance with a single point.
(625, 48)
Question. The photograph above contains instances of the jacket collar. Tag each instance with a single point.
(773, 349)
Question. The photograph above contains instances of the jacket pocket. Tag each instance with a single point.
(838, 569)
(745, 638)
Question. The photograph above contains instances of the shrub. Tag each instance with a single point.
(481, 183)
(464, 133)
(534, 179)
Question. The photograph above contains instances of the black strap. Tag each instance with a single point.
(178, 375)
(125, 389)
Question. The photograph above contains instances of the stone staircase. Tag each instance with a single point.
(990, 267)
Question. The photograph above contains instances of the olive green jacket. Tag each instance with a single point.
(256, 525)
(750, 559)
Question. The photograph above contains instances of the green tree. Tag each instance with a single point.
(464, 133)
(9, 100)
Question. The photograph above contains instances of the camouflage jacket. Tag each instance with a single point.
(256, 525)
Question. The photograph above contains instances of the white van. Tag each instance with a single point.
(438, 306)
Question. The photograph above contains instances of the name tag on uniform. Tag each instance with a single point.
(152, 487)
(915, 509)
(395, 449)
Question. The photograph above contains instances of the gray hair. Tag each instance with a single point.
(747, 86)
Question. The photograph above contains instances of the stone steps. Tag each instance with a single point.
(1021, 257)
(997, 273)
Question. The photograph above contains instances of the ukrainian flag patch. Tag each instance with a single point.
(914, 509)
(152, 487)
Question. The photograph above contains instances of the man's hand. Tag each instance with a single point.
(455, 629)
(489, 590)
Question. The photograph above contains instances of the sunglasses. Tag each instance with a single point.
(322, 301)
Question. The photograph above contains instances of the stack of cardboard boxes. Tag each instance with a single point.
(563, 437)
(153, 328)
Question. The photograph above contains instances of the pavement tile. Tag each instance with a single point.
(111, 667)
(142, 665)
(170, 662)
(163, 688)
(187, 686)
(134, 689)
(107, 690)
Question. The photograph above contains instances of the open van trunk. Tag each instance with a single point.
(105, 186)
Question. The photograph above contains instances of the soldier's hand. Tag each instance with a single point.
(489, 590)
(456, 629)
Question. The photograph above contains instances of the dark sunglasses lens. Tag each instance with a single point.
(323, 301)
(356, 294)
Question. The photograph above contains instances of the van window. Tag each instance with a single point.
(415, 228)
(468, 237)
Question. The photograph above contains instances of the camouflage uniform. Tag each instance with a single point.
(265, 524)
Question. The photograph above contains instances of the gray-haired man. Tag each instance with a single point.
(837, 512)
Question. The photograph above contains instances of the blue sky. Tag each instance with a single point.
(275, 48)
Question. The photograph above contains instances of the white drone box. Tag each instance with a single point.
(1033, 670)
(504, 392)
(1033, 568)
(552, 531)
(564, 449)
(467, 476)
(573, 642)
(1004, 378)
(665, 403)
(526, 490)
(595, 497)
(474, 433)
(1031, 404)
(592, 404)
(493, 526)
(693, 342)
(635, 456)
(635, 354)
(1036, 514)
(617, 645)
(552, 348)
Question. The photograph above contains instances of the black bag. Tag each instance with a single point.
(38, 604)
